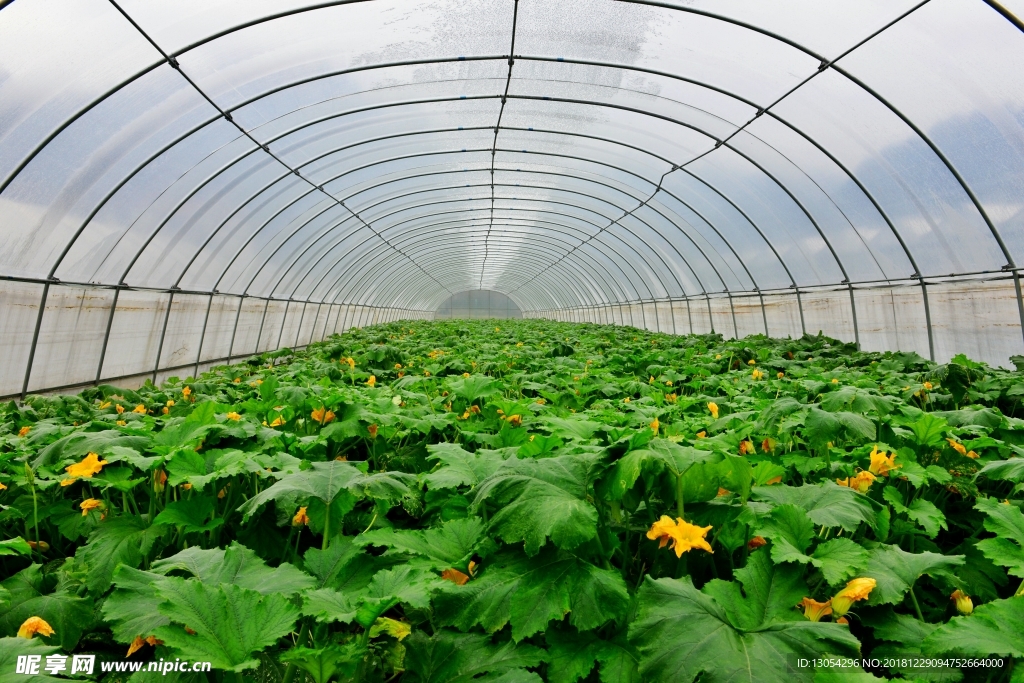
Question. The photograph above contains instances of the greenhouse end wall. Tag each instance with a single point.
(978, 317)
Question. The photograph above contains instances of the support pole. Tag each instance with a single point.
(163, 333)
(202, 335)
(35, 340)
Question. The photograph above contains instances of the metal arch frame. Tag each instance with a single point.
(980, 208)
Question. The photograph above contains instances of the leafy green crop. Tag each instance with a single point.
(533, 501)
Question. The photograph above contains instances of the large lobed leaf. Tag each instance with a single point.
(721, 635)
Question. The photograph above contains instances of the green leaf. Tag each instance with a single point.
(896, 570)
(572, 656)
(995, 628)
(190, 515)
(405, 584)
(450, 657)
(15, 546)
(230, 622)
(474, 387)
(1007, 522)
(1008, 470)
(928, 516)
(131, 610)
(451, 545)
(68, 614)
(236, 565)
(928, 430)
(538, 499)
(827, 504)
(530, 592)
(327, 480)
(325, 663)
(682, 633)
(791, 532)
(12, 647)
(121, 540)
(458, 467)
(572, 428)
(839, 559)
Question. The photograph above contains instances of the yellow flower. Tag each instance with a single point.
(515, 420)
(718, 356)
(655, 426)
(89, 466)
(90, 504)
(928, 386)
(322, 415)
(372, 429)
(140, 641)
(857, 589)
(223, 492)
(122, 423)
(835, 381)
(3, 487)
(41, 546)
(187, 486)
(815, 610)
(426, 373)
(465, 374)
(372, 382)
(105, 404)
(626, 400)
(972, 455)
(519, 343)
(957, 446)
(278, 421)
(862, 482)
(723, 492)
(756, 542)
(651, 380)
(671, 398)
(757, 374)
(119, 408)
(964, 604)
(683, 535)
(351, 363)
(713, 407)
(398, 366)
(780, 375)
(768, 445)
(34, 625)
(140, 409)
(233, 416)
(746, 447)
(774, 480)
(170, 403)
(24, 431)
(237, 380)
(882, 464)
(701, 434)
(751, 362)
(186, 392)
(455, 576)
(300, 518)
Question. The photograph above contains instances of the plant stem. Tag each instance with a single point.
(679, 495)
(289, 672)
(327, 527)
(917, 607)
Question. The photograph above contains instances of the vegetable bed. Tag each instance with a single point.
(523, 501)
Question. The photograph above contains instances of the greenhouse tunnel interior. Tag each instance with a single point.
(184, 184)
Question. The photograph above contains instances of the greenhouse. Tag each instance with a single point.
(516, 341)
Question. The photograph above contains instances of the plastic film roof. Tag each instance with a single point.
(567, 153)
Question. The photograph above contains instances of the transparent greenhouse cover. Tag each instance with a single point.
(184, 183)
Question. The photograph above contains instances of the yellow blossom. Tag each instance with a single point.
(105, 404)
(862, 482)
(655, 426)
(140, 641)
(300, 518)
(957, 446)
(626, 400)
(882, 464)
(835, 381)
(140, 409)
(90, 504)
(24, 431)
(713, 408)
(237, 380)
(465, 375)
(701, 434)
(747, 448)
(671, 398)
(519, 343)
(122, 423)
(3, 487)
(90, 465)
(233, 416)
(757, 374)
(774, 480)
(186, 392)
(398, 366)
(119, 408)
(928, 386)
(857, 589)
(751, 362)
(768, 445)
(372, 382)
(780, 375)
(964, 604)
(972, 455)
(322, 415)
(815, 610)
(41, 546)
(455, 576)
(278, 421)
(515, 420)
(756, 542)
(170, 403)
(34, 625)
(683, 535)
